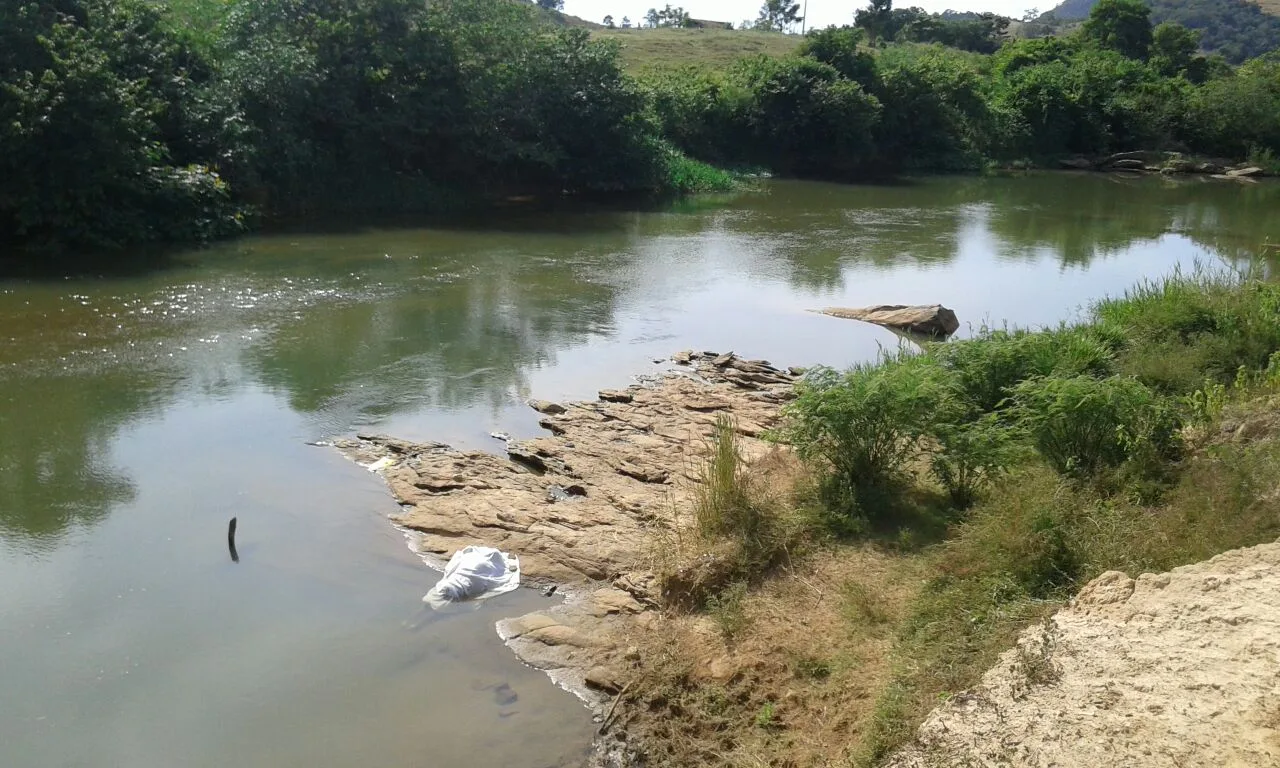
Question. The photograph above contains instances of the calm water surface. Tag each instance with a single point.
(138, 414)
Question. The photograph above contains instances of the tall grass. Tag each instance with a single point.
(687, 176)
(726, 501)
(742, 530)
(1181, 330)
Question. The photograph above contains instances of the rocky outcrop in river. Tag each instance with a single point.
(931, 320)
(585, 505)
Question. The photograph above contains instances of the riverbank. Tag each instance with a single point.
(590, 509)
(734, 601)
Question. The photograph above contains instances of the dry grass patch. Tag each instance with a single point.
(793, 684)
(706, 48)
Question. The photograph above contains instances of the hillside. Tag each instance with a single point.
(1237, 29)
(710, 48)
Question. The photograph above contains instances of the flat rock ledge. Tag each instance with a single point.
(932, 320)
(584, 506)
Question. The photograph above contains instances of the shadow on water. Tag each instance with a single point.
(56, 265)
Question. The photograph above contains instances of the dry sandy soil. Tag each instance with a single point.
(1178, 669)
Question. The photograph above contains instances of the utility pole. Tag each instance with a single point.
(805, 18)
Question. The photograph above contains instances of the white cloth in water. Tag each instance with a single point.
(474, 573)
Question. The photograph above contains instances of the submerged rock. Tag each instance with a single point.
(926, 320)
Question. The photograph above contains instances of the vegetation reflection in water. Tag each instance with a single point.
(377, 322)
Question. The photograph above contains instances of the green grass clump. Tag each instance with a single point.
(741, 531)
(727, 503)
(1184, 329)
(687, 176)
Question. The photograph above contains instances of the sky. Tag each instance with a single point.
(821, 12)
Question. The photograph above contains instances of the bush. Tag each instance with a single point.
(971, 456)
(934, 115)
(1082, 425)
(987, 367)
(863, 426)
(688, 176)
(1238, 113)
(799, 116)
(840, 47)
(100, 145)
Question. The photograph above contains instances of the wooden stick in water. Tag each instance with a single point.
(231, 541)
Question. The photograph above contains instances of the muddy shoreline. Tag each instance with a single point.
(587, 507)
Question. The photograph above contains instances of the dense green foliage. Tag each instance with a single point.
(123, 123)
(1116, 85)
(1100, 403)
(1134, 462)
(1235, 29)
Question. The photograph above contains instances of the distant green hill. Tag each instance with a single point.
(1237, 29)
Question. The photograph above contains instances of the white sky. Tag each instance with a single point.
(821, 12)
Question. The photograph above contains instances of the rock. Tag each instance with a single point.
(1247, 172)
(609, 601)
(643, 586)
(1142, 156)
(615, 396)
(1109, 588)
(559, 634)
(1252, 429)
(927, 320)
(603, 679)
(1129, 165)
(547, 407)
(504, 695)
(721, 669)
(583, 502)
(1178, 165)
(1177, 669)
(1210, 168)
(530, 622)
(682, 358)
(1077, 163)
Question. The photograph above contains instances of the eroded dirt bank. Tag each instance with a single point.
(586, 507)
(1173, 669)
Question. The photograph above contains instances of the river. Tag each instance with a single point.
(139, 413)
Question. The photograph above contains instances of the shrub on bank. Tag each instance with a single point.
(1082, 425)
(1102, 401)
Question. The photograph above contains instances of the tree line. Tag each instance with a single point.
(126, 123)
(849, 104)
(123, 122)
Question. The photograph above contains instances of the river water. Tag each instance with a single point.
(139, 413)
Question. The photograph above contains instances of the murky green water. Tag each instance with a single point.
(137, 415)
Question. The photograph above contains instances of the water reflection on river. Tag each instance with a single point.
(138, 414)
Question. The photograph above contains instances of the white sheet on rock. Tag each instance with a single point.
(474, 573)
